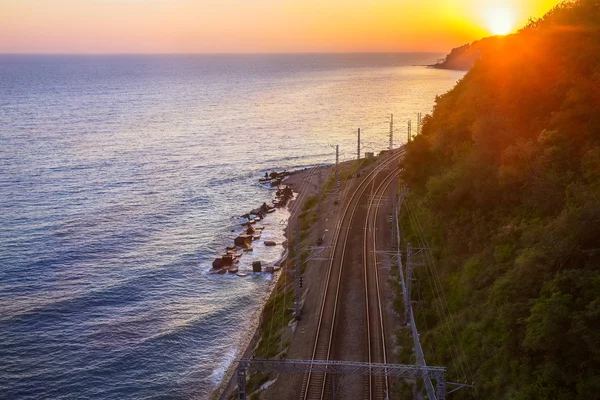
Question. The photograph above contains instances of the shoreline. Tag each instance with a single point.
(287, 341)
(248, 344)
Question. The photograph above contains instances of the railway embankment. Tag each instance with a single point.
(316, 214)
(270, 338)
(326, 233)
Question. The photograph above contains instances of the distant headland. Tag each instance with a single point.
(464, 57)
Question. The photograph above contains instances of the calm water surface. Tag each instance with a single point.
(120, 177)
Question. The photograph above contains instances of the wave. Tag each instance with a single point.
(107, 294)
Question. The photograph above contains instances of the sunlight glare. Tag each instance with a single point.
(500, 20)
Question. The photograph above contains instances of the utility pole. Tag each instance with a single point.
(297, 277)
(391, 146)
(241, 379)
(358, 146)
(410, 266)
(320, 210)
(409, 130)
(409, 270)
(337, 174)
(419, 123)
(337, 166)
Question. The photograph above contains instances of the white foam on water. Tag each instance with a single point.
(219, 372)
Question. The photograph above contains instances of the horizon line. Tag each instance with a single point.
(221, 53)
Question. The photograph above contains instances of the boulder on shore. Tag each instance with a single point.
(232, 254)
(242, 240)
(283, 195)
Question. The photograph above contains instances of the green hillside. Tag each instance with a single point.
(505, 180)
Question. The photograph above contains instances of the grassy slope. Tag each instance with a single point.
(506, 180)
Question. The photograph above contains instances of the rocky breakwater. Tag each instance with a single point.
(275, 179)
(230, 259)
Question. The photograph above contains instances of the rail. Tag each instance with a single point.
(315, 384)
(377, 351)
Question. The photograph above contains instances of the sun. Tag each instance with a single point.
(500, 20)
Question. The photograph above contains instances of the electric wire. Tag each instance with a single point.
(439, 292)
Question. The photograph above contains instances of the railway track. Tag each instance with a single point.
(299, 200)
(378, 386)
(316, 385)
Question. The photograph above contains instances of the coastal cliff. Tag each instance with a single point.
(506, 179)
(464, 57)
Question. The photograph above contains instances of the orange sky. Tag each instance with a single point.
(232, 26)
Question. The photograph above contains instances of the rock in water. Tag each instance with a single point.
(218, 263)
(256, 266)
(243, 240)
(227, 260)
(270, 243)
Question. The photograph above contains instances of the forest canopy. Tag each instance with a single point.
(505, 178)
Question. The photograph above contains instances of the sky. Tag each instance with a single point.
(255, 26)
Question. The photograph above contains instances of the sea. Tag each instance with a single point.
(122, 177)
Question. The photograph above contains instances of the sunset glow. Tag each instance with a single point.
(265, 26)
(500, 20)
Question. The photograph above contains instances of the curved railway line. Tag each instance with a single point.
(377, 349)
(317, 385)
